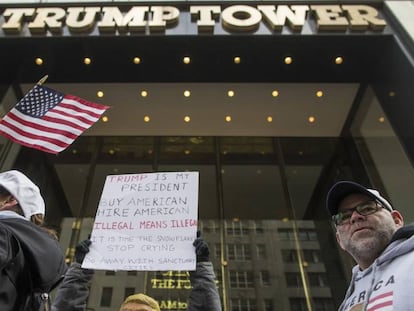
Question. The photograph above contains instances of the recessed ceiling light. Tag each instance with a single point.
(87, 60)
(275, 93)
(100, 94)
(391, 94)
(311, 119)
(187, 119)
(230, 93)
(228, 118)
(269, 119)
(339, 60)
(144, 93)
(105, 119)
(147, 119)
(237, 60)
(186, 60)
(288, 60)
(319, 93)
(39, 61)
(136, 60)
(381, 119)
(187, 151)
(187, 93)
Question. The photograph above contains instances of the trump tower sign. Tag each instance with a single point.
(262, 18)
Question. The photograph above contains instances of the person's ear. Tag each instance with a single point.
(10, 202)
(397, 217)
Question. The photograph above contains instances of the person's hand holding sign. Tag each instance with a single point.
(202, 249)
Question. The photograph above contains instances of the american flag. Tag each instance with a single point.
(48, 120)
(383, 302)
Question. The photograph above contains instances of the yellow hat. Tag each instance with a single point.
(144, 299)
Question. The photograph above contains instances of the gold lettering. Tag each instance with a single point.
(362, 17)
(172, 279)
(329, 17)
(113, 19)
(275, 17)
(163, 284)
(206, 16)
(173, 304)
(163, 16)
(241, 18)
(186, 284)
(15, 21)
(155, 283)
(234, 18)
(47, 18)
(176, 273)
(80, 20)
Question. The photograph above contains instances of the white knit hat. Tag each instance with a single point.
(24, 191)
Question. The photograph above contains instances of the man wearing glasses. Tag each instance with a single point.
(373, 233)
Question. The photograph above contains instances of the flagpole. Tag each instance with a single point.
(80, 214)
(43, 80)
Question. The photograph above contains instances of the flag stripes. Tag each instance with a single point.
(48, 120)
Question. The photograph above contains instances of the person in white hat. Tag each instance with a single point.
(373, 233)
(31, 260)
(22, 196)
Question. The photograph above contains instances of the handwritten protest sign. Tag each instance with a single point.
(145, 222)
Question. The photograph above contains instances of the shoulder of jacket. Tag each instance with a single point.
(5, 245)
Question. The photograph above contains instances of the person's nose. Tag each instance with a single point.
(355, 216)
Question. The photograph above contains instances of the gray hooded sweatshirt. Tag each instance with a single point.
(388, 283)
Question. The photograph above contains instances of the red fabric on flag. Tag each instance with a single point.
(48, 120)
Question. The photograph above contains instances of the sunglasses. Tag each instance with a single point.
(364, 209)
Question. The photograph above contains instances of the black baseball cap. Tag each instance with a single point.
(344, 188)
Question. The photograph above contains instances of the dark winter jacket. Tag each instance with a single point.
(73, 292)
(31, 260)
(204, 295)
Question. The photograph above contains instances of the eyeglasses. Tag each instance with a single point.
(364, 209)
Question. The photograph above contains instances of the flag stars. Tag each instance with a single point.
(49, 122)
(39, 101)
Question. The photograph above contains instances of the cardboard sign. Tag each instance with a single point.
(146, 222)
